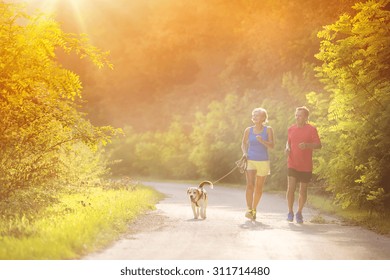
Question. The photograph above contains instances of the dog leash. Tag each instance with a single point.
(241, 164)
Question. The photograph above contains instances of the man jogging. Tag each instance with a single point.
(302, 140)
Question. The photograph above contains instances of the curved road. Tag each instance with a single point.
(171, 233)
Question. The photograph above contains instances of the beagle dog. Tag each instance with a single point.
(199, 198)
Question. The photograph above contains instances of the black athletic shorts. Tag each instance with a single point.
(303, 177)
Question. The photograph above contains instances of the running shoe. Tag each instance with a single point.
(253, 214)
(290, 216)
(250, 214)
(299, 218)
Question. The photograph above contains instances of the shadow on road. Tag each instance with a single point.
(254, 225)
(195, 220)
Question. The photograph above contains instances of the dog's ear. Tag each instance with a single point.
(188, 191)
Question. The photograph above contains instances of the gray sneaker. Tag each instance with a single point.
(290, 216)
(299, 218)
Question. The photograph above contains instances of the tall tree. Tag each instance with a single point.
(355, 69)
(40, 120)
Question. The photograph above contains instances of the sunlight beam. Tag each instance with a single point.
(54, 7)
(78, 15)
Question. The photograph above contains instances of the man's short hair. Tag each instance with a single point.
(303, 108)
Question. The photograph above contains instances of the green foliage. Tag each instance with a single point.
(217, 136)
(355, 70)
(159, 154)
(42, 134)
(165, 153)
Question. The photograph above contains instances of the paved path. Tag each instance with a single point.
(171, 233)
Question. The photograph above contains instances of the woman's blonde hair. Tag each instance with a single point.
(258, 110)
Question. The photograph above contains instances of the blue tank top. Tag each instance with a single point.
(256, 150)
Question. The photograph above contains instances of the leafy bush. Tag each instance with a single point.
(46, 143)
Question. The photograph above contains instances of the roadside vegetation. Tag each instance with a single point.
(76, 224)
(377, 222)
(55, 200)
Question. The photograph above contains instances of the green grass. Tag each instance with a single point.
(377, 222)
(79, 224)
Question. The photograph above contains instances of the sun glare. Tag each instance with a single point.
(54, 6)
(78, 14)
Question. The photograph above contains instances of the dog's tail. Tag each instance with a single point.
(206, 183)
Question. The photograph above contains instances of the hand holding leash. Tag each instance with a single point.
(241, 164)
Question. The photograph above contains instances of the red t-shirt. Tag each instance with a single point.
(301, 160)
